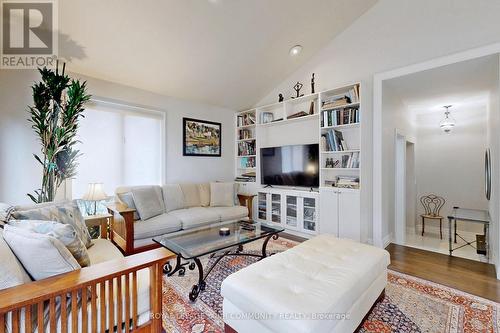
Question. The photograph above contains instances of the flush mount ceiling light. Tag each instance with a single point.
(448, 122)
(295, 50)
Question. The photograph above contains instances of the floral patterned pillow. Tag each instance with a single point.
(63, 232)
(67, 213)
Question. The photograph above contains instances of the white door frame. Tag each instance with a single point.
(400, 191)
(377, 120)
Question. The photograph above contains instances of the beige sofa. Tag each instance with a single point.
(141, 274)
(185, 206)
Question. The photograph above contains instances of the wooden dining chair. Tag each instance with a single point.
(432, 206)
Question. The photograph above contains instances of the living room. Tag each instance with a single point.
(197, 172)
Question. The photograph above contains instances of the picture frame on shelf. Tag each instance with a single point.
(201, 138)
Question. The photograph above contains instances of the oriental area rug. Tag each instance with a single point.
(410, 304)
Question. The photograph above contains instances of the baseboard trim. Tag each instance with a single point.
(387, 240)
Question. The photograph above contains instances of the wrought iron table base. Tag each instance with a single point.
(202, 276)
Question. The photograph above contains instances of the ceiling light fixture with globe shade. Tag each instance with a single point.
(448, 122)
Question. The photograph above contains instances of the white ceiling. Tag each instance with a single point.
(462, 85)
(222, 52)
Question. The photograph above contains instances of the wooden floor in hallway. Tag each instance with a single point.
(470, 276)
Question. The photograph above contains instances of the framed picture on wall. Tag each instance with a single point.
(201, 137)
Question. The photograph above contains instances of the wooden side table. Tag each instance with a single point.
(102, 220)
(247, 200)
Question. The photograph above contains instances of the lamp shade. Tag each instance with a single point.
(95, 192)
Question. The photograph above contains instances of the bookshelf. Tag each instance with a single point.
(246, 146)
(340, 137)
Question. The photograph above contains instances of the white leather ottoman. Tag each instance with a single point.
(325, 284)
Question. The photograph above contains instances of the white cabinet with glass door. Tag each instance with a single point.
(296, 211)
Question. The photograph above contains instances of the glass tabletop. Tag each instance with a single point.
(201, 241)
(472, 215)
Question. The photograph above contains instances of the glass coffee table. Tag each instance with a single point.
(190, 245)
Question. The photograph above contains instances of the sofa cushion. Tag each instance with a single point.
(195, 216)
(230, 213)
(103, 250)
(66, 212)
(321, 275)
(63, 232)
(222, 194)
(191, 195)
(173, 197)
(12, 272)
(204, 189)
(43, 256)
(128, 199)
(148, 201)
(156, 226)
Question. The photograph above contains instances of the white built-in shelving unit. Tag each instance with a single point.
(322, 211)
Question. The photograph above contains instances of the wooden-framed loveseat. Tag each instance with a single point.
(110, 285)
(181, 207)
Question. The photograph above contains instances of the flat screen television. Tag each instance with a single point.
(290, 165)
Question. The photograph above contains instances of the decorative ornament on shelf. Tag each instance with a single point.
(297, 88)
(448, 123)
(312, 84)
(95, 193)
(280, 98)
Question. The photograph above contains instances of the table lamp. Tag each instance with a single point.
(95, 193)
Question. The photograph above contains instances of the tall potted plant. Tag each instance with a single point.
(58, 105)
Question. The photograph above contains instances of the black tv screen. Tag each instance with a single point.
(290, 165)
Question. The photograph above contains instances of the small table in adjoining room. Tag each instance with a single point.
(468, 216)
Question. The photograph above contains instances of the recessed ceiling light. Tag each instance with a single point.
(295, 50)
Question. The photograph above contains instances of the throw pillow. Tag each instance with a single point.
(222, 194)
(173, 197)
(128, 199)
(11, 271)
(42, 256)
(148, 202)
(204, 190)
(191, 195)
(63, 232)
(66, 213)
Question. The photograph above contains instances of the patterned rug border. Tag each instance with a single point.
(444, 287)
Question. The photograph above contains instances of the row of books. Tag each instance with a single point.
(340, 117)
(247, 162)
(246, 148)
(333, 140)
(246, 177)
(245, 134)
(349, 160)
(351, 96)
(246, 119)
(344, 182)
(347, 182)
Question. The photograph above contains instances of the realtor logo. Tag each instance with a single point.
(29, 37)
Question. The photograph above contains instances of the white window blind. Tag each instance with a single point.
(120, 145)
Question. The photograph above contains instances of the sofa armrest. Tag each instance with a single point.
(122, 228)
(85, 282)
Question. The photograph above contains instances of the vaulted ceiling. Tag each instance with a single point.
(223, 52)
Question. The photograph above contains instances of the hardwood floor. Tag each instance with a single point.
(467, 275)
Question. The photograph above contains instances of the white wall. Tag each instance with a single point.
(452, 165)
(19, 173)
(493, 142)
(393, 34)
(395, 117)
